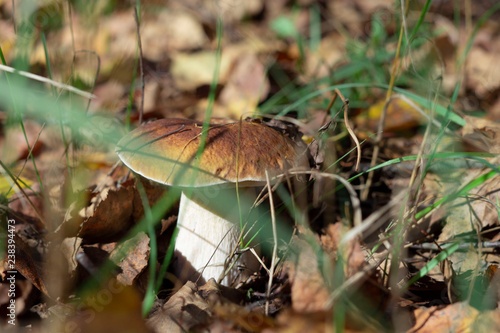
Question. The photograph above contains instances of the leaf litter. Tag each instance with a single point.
(321, 283)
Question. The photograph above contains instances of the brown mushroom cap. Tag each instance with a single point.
(165, 151)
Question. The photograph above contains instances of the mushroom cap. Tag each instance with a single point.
(165, 151)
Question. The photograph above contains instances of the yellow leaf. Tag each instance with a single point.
(6, 185)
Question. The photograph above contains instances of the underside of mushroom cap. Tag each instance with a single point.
(166, 151)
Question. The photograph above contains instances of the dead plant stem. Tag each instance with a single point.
(275, 245)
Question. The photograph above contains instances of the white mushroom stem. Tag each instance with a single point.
(206, 239)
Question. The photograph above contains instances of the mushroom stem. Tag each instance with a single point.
(206, 239)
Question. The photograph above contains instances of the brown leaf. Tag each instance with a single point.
(24, 211)
(250, 321)
(352, 250)
(153, 193)
(246, 86)
(14, 147)
(309, 292)
(113, 209)
(26, 265)
(136, 259)
(183, 311)
(296, 322)
(458, 317)
(105, 219)
(228, 313)
(483, 75)
(483, 134)
(401, 116)
(179, 29)
(113, 308)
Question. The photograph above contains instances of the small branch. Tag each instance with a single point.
(45, 80)
(462, 246)
(348, 126)
(275, 246)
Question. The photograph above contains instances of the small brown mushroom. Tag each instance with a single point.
(165, 151)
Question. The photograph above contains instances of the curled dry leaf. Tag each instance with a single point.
(153, 193)
(70, 247)
(136, 259)
(105, 219)
(14, 147)
(182, 312)
(26, 264)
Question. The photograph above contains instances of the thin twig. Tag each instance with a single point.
(275, 246)
(97, 70)
(45, 80)
(348, 126)
(461, 246)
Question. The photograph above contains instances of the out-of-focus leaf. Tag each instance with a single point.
(284, 27)
(184, 310)
(7, 186)
(458, 317)
(112, 308)
(400, 116)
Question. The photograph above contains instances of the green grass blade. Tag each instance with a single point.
(433, 263)
(149, 296)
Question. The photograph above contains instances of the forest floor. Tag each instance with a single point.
(396, 227)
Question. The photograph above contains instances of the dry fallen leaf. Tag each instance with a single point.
(106, 218)
(26, 265)
(320, 63)
(14, 147)
(246, 86)
(179, 31)
(309, 292)
(183, 311)
(482, 72)
(136, 258)
(113, 308)
(228, 314)
(352, 251)
(401, 116)
(458, 317)
(297, 322)
(481, 133)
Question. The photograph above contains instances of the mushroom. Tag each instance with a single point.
(166, 151)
